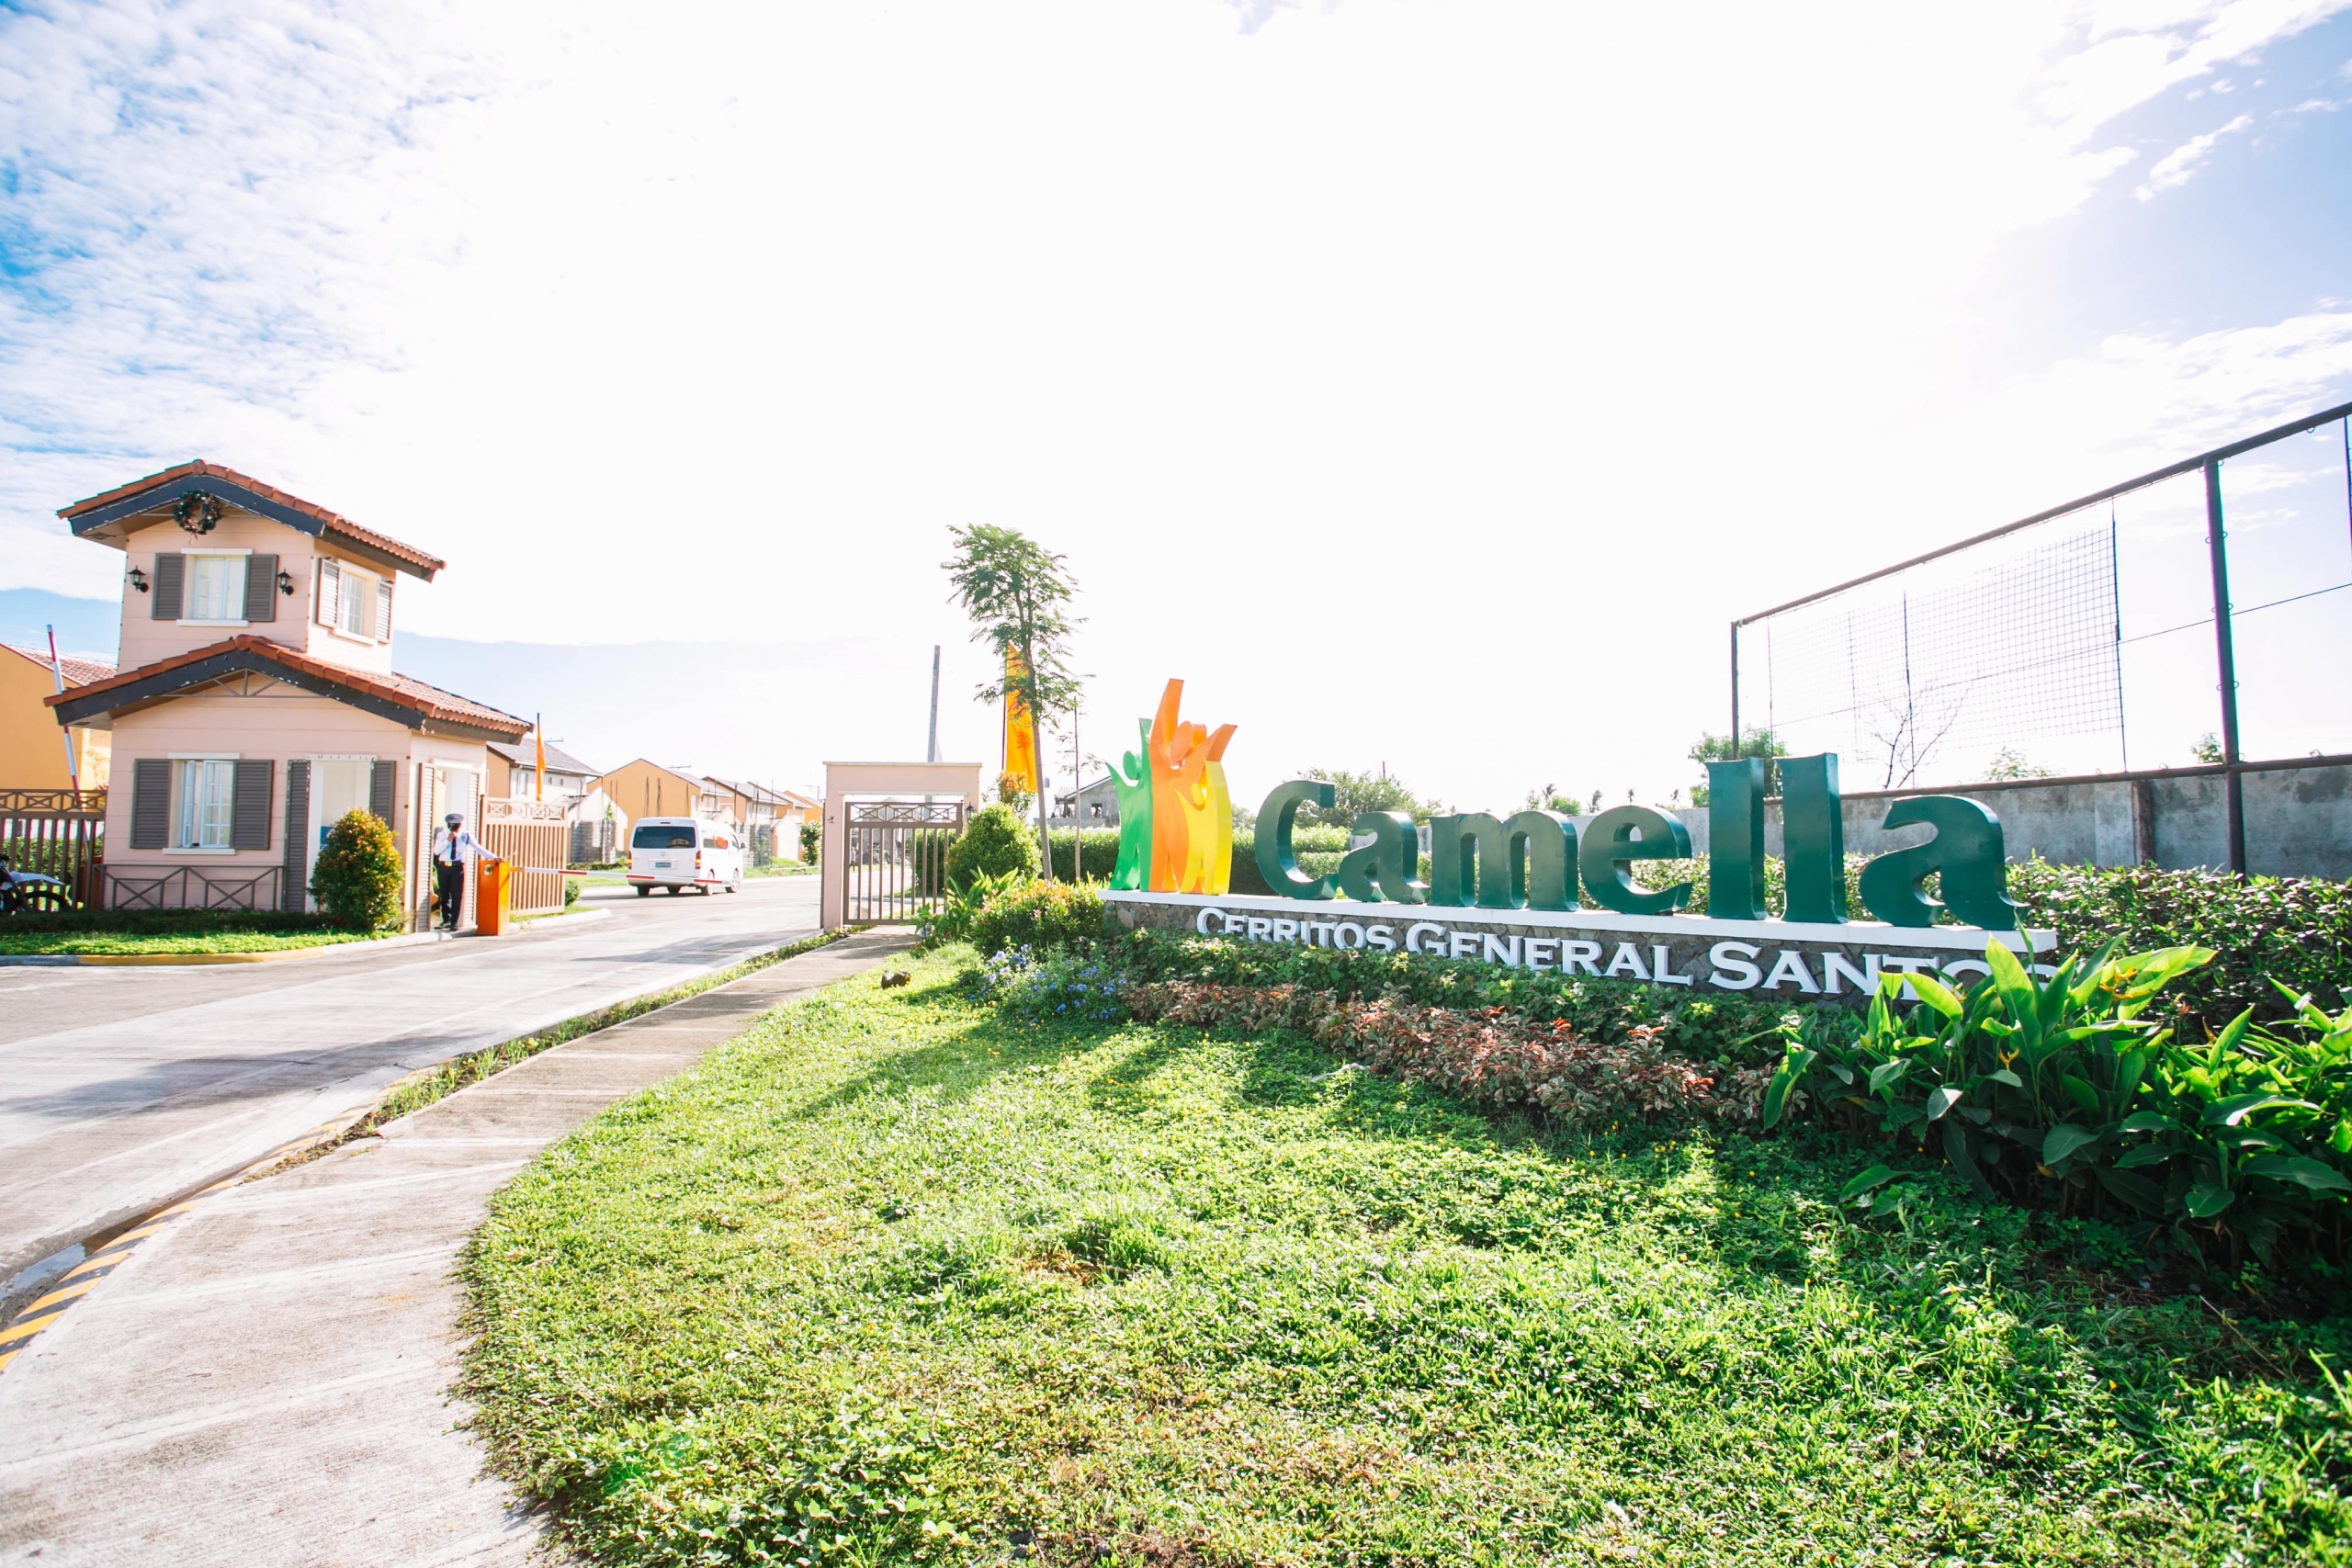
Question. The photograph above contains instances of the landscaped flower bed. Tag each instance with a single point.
(901, 1276)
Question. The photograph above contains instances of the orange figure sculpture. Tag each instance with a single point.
(1191, 812)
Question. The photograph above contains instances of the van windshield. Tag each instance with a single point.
(653, 836)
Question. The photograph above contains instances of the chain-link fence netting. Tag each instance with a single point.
(2083, 642)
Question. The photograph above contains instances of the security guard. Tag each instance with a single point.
(452, 846)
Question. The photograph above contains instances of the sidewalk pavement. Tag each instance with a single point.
(128, 1089)
(264, 1379)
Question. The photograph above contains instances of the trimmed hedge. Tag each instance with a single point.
(2295, 929)
(1097, 854)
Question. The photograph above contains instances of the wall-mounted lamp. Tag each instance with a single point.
(286, 583)
(139, 580)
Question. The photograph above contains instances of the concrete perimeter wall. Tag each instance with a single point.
(2297, 818)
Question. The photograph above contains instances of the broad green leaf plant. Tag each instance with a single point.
(2070, 1091)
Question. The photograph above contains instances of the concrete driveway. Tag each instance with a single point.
(124, 1089)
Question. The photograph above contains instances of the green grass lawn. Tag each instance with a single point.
(889, 1278)
(38, 943)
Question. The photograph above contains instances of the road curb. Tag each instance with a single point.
(284, 955)
(23, 1327)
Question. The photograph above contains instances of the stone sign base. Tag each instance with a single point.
(1770, 957)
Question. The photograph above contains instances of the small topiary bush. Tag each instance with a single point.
(812, 836)
(994, 842)
(1044, 917)
(357, 878)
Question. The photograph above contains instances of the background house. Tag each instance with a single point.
(514, 773)
(640, 789)
(32, 755)
(256, 704)
(1096, 806)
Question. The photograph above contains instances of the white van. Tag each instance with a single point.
(678, 852)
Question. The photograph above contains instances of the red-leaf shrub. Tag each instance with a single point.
(1491, 1056)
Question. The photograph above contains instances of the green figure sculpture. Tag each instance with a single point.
(1132, 782)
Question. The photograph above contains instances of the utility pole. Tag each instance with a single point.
(2225, 667)
(57, 674)
(932, 753)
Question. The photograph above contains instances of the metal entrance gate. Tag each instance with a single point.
(894, 866)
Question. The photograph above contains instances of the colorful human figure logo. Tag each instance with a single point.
(1175, 811)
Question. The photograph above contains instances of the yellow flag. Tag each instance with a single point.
(1020, 729)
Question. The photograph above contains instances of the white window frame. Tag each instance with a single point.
(344, 573)
(187, 605)
(181, 763)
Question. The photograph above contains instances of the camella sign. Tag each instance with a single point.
(1510, 890)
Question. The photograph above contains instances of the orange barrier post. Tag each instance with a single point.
(489, 897)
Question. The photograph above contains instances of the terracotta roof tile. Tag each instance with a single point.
(78, 672)
(336, 524)
(429, 701)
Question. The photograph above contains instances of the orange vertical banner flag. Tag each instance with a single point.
(1020, 729)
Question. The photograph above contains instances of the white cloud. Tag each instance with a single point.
(705, 322)
(2179, 166)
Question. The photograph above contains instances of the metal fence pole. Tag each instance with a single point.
(1735, 692)
(2226, 665)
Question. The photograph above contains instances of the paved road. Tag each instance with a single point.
(265, 1381)
(123, 1088)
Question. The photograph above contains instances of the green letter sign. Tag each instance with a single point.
(1383, 869)
(1813, 834)
(1519, 864)
(1276, 863)
(1736, 839)
(1967, 849)
(1610, 848)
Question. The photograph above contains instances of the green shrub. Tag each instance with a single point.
(357, 877)
(572, 886)
(2295, 929)
(2074, 1093)
(994, 843)
(1097, 854)
(813, 839)
(1044, 917)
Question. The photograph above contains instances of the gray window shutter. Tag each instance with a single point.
(249, 805)
(291, 882)
(261, 588)
(384, 610)
(380, 790)
(171, 572)
(150, 801)
(330, 583)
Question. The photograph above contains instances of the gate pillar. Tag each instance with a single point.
(942, 783)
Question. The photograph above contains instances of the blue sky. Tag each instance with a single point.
(1428, 386)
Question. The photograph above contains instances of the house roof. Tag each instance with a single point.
(402, 698)
(78, 672)
(100, 516)
(522, 754)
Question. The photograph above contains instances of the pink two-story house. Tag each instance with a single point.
(256, 700)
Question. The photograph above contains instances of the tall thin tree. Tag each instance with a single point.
(1015, 591)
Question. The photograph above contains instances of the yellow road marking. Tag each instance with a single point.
(28, 1327)
(67, 1294)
